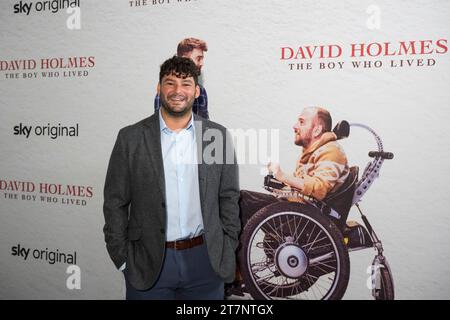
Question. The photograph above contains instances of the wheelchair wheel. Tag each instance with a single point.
(292, 251)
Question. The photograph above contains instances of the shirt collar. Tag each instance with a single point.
(164, 128)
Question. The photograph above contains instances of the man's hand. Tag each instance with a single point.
(287, 179)
(276, 170)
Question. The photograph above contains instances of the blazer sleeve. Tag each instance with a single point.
(116, 202)
(229, 194)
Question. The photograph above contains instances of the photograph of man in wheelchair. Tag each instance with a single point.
(296, 238)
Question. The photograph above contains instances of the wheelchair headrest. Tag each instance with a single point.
(342, 129)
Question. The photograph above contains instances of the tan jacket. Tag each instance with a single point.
(323, 166)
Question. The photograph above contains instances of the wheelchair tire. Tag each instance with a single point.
(386, 289)
(292, 251)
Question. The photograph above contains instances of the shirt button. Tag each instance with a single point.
(163, 204)
(162, 230)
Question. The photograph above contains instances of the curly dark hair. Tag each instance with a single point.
(180, 67)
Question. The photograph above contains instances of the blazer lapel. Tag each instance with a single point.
(152, 137)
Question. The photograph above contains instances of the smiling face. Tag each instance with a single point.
(177, 94)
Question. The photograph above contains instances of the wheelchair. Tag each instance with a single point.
(300, 249)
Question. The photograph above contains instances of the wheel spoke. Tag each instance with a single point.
(321, 258)
(311, 233)
(301, 232)
(311, 244)
(280, 237)
(296, 227)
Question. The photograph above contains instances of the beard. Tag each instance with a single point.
(305, 140)
(302, 142)
(177, 111)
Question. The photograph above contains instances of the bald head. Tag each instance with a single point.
(323, 118)
(311, 124)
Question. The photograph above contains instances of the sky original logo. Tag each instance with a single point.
(51, 131)
(50, 256)
(25, 7)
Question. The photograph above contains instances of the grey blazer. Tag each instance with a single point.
(135, 201)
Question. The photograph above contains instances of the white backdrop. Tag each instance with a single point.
(248, 86)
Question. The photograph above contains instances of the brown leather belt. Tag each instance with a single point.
(184, 244)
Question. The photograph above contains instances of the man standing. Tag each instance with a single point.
(193, 49)
(171, 219)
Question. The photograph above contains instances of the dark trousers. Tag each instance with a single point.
(185, 275)
(250, 202)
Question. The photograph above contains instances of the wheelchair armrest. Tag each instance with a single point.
(271, 182)
(280, 189)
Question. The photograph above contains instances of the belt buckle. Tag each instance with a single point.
(180, 246)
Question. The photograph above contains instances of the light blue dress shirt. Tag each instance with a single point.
(179, 152)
